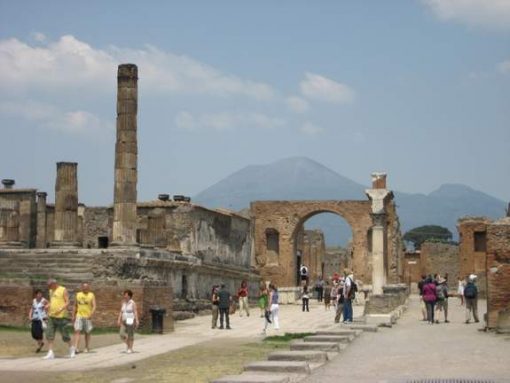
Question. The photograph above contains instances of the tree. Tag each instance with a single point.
(418, 235)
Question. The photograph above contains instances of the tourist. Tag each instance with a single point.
(429, 297)
(263, 299)
(128, 320)
(224, 306)
(471, 298)
(305, 298)
(333, 293)
(319, 287)
(57, 316)
(84, 308)
(460, 290)
(348, 293)
(303, 272)
(327, 296)
(274, 308)
(442, 298)
(38, 317)
(340, 301)
(242, 296)
(215, 300)
(265, 296)
(421, 283)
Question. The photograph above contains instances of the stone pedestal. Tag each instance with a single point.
(126, 154)
(66, 205)
(9, 224)
(41, 241)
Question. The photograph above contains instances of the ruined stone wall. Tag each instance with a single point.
(313, 249)
(412, 268)
(336, 260)
(395, 246)
(18, 216)
(441, 258)
(498, 275)
(470, 260)
(97, 222)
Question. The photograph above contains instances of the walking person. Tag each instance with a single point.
(319, 287)
(303, 272)
(263, 299)
(38, 317)
(327, 296)
(430, 297)
(348, 293)
(305, 298)
(471, 299)
(442, 298)
(215, 300)
(128, 320)
(340, 301)
(58, 316)
(84, 309)
(224, 306)
(242, 295)
(274, 308)
(333, 293)
(422, 283)
(460, 290)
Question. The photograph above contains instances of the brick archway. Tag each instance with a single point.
(286, 217)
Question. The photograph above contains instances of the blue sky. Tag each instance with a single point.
(419, 89)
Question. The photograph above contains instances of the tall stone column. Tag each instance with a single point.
(66, 205)
(41, 241)
(378, 195)
(126, 156)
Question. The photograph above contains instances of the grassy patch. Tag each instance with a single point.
(287, 337)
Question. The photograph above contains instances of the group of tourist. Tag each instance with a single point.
(434, 293)
(52, 315)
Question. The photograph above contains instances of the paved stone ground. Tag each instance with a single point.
(413, 349)
(187, 333)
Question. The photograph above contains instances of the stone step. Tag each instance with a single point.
(329, 338)
(358, 326)
(299, 355)
(250, 377)
(341, 332)
(279, 366)
(317, 346)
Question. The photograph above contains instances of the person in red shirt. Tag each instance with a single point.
(242, 295)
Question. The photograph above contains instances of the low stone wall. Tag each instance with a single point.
(393, 296)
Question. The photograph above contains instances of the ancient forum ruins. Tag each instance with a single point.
(171, 251)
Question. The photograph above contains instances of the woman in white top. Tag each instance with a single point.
(460, 291)
(38, 316)
(128, 320)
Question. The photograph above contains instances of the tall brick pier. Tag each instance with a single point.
(66, 205)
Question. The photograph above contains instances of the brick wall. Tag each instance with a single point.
(412, 268)
(441, 258)
(498, 275)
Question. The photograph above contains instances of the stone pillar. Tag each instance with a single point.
(378, 195)
(126, 154)
(41, 241)
(66, 205)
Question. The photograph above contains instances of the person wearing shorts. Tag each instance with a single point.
(57, 316)
(38, 317)
(84, 308)
(128, 320)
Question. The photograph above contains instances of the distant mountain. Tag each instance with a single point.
(301, 178)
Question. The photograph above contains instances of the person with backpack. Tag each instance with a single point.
(420, 291)
(340, 301)
(430, 298)
(471, 299)
(349, 292)
(442, 298)
(305, 297)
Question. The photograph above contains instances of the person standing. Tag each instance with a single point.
(274, 308)
(319, 286)
(327, 296)
(340, 301)
(84, 309)
(305, 298)
(348, 293)
(224, 306)
(242, 295)
(430, 297)
(471, 299)
(442, 298)
(303, 271)
(38, 317)
(215, 300)
(57, 316)
(263, 299)
(334, 293)
(460, 290)
(422, 283)
(128, 320)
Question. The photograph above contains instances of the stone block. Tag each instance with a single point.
(329, 338)
(363, 327)
(320, 346)
(337, 332)
(299, 355)
(253, 378)
(279, 367)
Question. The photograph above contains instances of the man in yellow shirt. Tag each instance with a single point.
(57, 316)
(84, 308)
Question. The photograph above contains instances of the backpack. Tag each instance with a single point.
(353, 290)
(470, 291)
(440, 293)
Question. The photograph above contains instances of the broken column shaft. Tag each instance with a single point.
(41, 241)
(66, 205)
(126, 156)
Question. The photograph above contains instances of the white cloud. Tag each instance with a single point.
(297, 104)
(489, 13)
(310, 129)
(38, 36)
(70, 62)
(504, 67)
(317, 87)
(227, 121)
(50, 117)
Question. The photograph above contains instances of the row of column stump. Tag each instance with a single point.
(304, 356)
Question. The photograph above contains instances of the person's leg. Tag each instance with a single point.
(214, 322)
(307, 302)
(432, 304)
(247, 306)
(475, 309)
(350, 310)
(222, 314)
(429, 314)
(468, 310)
(446, 310)
(424, 309)
(303, 304)
(227, 318)
(274, 313)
